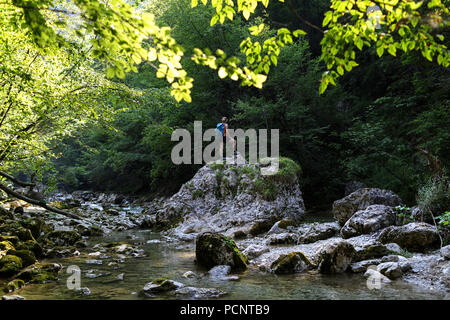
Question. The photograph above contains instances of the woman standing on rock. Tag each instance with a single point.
(223, 127)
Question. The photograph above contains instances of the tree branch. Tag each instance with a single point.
(294, 10)
(39, 203)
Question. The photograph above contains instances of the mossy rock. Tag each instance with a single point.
(95, 231)
(217, 166)
(261, 226)
(27, 256)
(63, 238)
(336, 256)
(214, 249)
(14, 285)
(284, 224)
(198, 193)
(288, 170)
(161, 285)
(372, 251)
(13, 239)
(5, 214)
(10, 265)
(114, 244)
(31, 245)
(36, 226)
(266, 188)
(40, 273)
(61, 252)
(165, 284)
(6, 246)
(14, 228)
(293, 262)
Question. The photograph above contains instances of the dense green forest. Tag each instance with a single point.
(75, 122)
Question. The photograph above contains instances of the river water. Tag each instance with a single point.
(167, 259)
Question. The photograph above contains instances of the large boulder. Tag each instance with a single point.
(415, 236)
(392, 270)
(344, 208)
(10, 265)
(373, 218)
(230, 198)
(371, 250)
(40, 273)
(213, 249)
(293, 262)
(336, 256)
(309, 233)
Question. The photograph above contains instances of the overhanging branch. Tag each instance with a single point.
(16, 181)
(39, 203)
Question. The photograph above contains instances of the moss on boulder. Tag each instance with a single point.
(27, 256)
(214, 249)
(31, 245)
(336, 256)
(261, 226)
(10, 265)
(40, 273)
(293, 262)
(13, 239)
(5, 214)
(14, 228)
(36, 226)
(14, 285)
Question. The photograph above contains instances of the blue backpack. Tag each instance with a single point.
(220, 127)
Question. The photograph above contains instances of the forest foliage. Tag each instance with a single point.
(88, 87)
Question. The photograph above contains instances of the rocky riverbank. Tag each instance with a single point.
(233, 218)
(260, 218)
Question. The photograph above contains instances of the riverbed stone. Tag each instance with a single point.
(161, 285)
(344, 208)
(312, 232)
(371, 219)
(27, 256)
(400, 260)
(282, 226)
(370, 250)
(14, 285)
(199, 293)
(214, 249)
(392, 270)
(415, 236)
(63, 237)
(10, 265)
(293, 262)
(255, 250)
(6, 214)
(361, 266)
(336, 256)
(445, 252)
(40, 273)
(375, 279)
(12, 297)
(282, 238)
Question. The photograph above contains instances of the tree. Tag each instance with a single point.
(44, 96)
